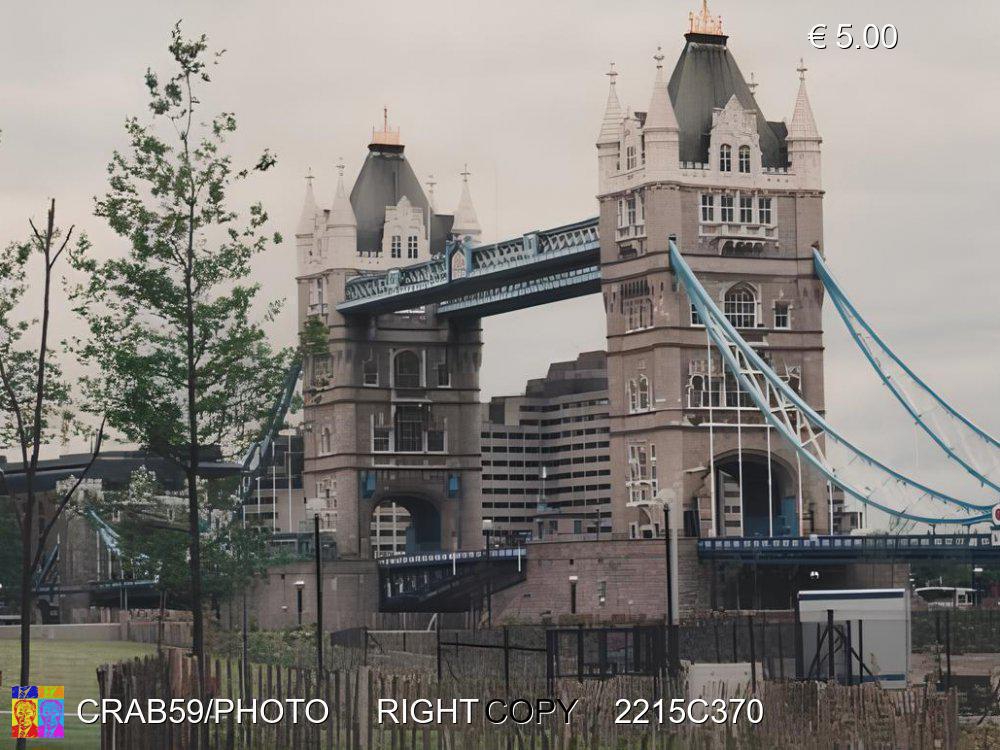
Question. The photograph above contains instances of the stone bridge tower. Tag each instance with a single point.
(742, 197)
(391, 411)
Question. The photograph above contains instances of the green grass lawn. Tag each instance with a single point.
(72, 664)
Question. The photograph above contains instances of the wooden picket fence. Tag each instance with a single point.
(796, 714)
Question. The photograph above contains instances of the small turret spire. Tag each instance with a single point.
(307, 219)
(466, 221)
(430, 189)
(661, 112)
(803, 124)
(341, 213)
(612, 111)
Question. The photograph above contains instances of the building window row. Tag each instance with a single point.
(726, 158)
(638, 393)
(751, 211)
(396, 246)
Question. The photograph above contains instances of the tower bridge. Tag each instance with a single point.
(708, 254)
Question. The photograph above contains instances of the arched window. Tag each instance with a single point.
(725, 158)
(745, 159)
(644, 399)
(406, 368)
(325, 440)
(740, 306)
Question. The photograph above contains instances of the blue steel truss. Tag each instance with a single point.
(497, 274)
(955, 445)
(787, 412)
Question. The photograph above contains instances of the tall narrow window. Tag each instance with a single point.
(325, 440)
(629, 157)
(726, 206)
(741, 306)
(370, 372)
(621, 212)
(745, 159)
(396, 246)
(764, 210)
(633, 397)
(411, 246)
(707, 207)
(725, 158)
(643, 393)
(409, 428)
(781, 316)
(695, 317)
(630, 210)
(407, 370)
(746, 209)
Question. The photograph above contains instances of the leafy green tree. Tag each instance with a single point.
(183, 363)
(34, 400)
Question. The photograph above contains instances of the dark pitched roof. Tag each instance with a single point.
(705, 78)
(385, 178)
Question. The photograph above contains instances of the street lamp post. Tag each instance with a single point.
(976, 573)
(572, 594)
(487, 528)
(664, 498)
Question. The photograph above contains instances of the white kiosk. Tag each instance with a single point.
(853, 636)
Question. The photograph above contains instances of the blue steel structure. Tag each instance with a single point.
(550, 264)
(880, 356)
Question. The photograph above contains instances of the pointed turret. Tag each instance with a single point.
(306, 241)
(660, 130)
(661, 112)
(612, 112)
(341, 213)
(804, 140)
(609, 139)
(341, 228)
(803, 124)
(466, 221)
(307, 219)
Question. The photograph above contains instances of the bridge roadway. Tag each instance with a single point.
(550, 264)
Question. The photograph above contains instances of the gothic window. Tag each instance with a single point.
(736, 397)
(639, 486)
(726, 205)
(325, 440)
(411, 246)
(409, 428)
(638, 314)
(396, 246)
(629, 157)
(764, 210)
(695, 317)
(633, 397)
(745, 159)
(702, 393)
(725, 158)
(630, 211)
(380, 435)
(370, 375)
(746, 209)
(707, 207)
(406, 370)
(740, 306)
(644, 399)
(782, 319)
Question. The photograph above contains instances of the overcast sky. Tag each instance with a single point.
(516, 90)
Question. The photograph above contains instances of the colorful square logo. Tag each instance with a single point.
(37, 711)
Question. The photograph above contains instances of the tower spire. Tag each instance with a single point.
(661, 113)
(803, 124)
(466, 222)
(341, 213)
(307, 219)
(704, 22)
(612, 111)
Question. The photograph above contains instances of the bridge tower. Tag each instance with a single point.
(742, 197)
(391, 402)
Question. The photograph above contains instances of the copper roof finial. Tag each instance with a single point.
(386, 136)
(704, 22)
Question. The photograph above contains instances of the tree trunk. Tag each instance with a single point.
(26, 597)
